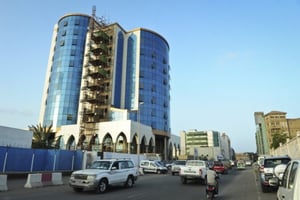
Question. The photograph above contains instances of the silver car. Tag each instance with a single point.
(175, 168)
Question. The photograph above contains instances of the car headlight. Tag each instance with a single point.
(91, 177)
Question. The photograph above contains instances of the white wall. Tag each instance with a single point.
(13, 137)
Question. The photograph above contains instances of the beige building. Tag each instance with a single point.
(276, 122)
(294, 127)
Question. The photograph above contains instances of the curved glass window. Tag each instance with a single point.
(130, 72)
(154, 87)
(64, 85)
(119, 63)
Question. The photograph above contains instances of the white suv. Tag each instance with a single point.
(103, 173)
(267, 174)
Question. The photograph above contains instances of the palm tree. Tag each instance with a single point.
(43, 136)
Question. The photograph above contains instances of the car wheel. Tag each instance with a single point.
(173, 173)
(129, 183)
(264, 188)
(158, 171)
(183, 180)
(102, 186)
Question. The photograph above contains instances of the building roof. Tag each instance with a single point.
(276, 113)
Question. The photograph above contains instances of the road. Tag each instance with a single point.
(235, 185)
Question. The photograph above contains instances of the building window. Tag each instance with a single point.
(62, 43)
(153, 88)
(74, 42)
(72, 63)
(69, 117)
(65, 23)
(77, 22)
(76, 31)
(64, 33)
(73, 52)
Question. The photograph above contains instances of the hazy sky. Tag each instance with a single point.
(229, 58)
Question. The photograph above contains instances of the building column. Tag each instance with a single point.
(114, 147)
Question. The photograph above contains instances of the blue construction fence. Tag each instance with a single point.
(20, 160)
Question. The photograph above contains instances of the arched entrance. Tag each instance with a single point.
(121, 144)
(107, 143)
(71, 145)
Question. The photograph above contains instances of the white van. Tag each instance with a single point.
(152, 166)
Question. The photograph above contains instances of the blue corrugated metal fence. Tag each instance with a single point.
(16, 160)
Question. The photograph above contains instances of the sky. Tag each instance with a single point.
(228, 58)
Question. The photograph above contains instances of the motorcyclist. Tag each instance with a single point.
(212, 177)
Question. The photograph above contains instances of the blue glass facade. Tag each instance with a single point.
(143, 50)
(154, 89)
(119, 67)
(130, 72)
(66, 71)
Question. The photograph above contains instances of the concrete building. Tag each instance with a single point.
(100, 77)
(225, 146)
(262, 143)
(293, 127)
(175, 146)
(269, 124)
(201, 144)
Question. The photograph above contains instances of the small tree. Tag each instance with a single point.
(43, 136)
(278, 138)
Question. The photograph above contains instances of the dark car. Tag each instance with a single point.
(219, 167)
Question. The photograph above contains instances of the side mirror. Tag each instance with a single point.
(279, 170)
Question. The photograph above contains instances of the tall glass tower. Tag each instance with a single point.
(62, 87)
(95, 68)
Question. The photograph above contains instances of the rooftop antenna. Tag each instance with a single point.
(94, 12)
(101, 20)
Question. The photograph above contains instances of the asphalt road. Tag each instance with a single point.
(235, 185)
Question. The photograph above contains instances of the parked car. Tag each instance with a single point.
(152, 166)
(248, 163)
(219, 167)
(267, 171)
(289, 184)
(240, 164)
(175, 167)
(103, 173)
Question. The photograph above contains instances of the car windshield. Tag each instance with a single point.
(180, 162)
(158, 164)
(274, 162)
(218, 164)
(101, 165)
(195, 163)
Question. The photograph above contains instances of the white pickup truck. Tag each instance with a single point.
(193, 170)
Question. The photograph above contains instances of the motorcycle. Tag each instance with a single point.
(210, 191)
